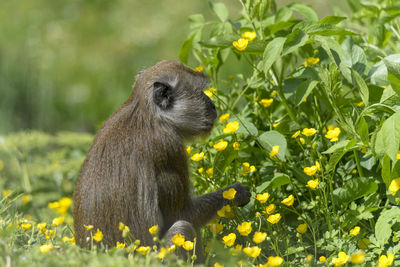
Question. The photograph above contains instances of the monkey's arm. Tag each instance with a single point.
(203, 208)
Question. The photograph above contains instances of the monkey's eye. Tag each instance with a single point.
(162, 95)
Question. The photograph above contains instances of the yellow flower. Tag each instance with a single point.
(218, 265)
(358, 257)
(274, 151)
(61, 206)
(309, 131)
(229, 194)
(310, 171)
(178, 239)
(171, 249)
(98, 236)
(46, 248)
(208, 93)
(249, 36)
(355, 231)
(269, 209)
(225, 212)
(49, 234)
(236, 146)
(274, 261)
(200, 170)
(312, 183)
(244, 228)
(385, 261)
(309, 258)
(266, 102)
(162, 253)
(341, 259)
(188, 149)
(247, 168)
(66, 239)
(318, 166)
(197, 157)
(275, 218)
(240, 44)
(310, 61)
(231, 127)
(288, 201)
(41, 227)
(221, 145)
(302, 228)
(296, 134)
(262, 198)
(302, 141)
(360, 104)
(143, 250)
(57, 221)
(253, 252)
(259, 237)
(199, 68)
(216, 228)
(224, 117)
(398, 155)
(363, 243)
(7, 192)
(153, 230)
(322, 259)
(276, 124)
(273, 93)
(333, 135)
(210, 172)
(188, 245)
(26, 226)
(26, 199)
(394, 186)
(229, 240)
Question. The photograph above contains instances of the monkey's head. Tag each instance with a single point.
(174, 94)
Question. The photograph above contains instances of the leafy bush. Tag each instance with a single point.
(310, 122)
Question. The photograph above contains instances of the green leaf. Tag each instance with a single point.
(246, 127)
(220, 10)
(388, 137)
(362, 129)
(272, 52)
(276, 27)
(305, 10)
(283, 14)
(354, 189)
(295, 40)
(278, 180)
(304, 90)
(185, 50)
(337, 146)
(378, 74)
(274, 138)
(339, 153)
(223, 159)
(219, 41)
(196, 21)
(364, 92)
(331, 20)
(386, 172)
(392, 63)
(383, 226)
(327, 29)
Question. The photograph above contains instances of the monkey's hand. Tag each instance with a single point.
(242, 196)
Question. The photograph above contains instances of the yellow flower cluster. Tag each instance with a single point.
(61, 206)
(266, 102)
(310, 61)
(247, 168)
(242, 43)
(333, 134)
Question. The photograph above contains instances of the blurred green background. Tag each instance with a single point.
(67, 65)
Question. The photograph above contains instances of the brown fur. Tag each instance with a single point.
(136, 171)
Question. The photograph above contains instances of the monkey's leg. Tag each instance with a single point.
(188, 231)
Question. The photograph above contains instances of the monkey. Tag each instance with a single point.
(136, 171)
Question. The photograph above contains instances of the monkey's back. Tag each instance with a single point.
(119, 180)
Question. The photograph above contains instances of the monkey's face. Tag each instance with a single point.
(179, 100)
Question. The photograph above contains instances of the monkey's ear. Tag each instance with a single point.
(162, 95)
